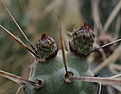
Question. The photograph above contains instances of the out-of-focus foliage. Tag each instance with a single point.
(105, 7)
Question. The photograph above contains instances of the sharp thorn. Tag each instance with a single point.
(62, 44)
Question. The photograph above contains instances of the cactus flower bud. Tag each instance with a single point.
(46, 48)
(82, 41)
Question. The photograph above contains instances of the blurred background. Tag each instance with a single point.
(40, 16)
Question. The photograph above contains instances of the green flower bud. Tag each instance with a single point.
(82, 41)
(46, 48)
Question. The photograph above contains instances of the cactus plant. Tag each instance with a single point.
(48, 75)
(49, 67)
(53, 72)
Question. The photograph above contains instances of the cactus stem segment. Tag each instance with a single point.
(37, 83)
(68, 77)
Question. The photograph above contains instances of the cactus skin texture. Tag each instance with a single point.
(52, 72)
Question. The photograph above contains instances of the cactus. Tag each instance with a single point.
(48, 75)
(52, 72)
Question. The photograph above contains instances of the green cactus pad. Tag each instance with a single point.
(53, 75)
(82, 41)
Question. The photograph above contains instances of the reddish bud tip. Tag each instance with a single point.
(85, 26)
(44, 37)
